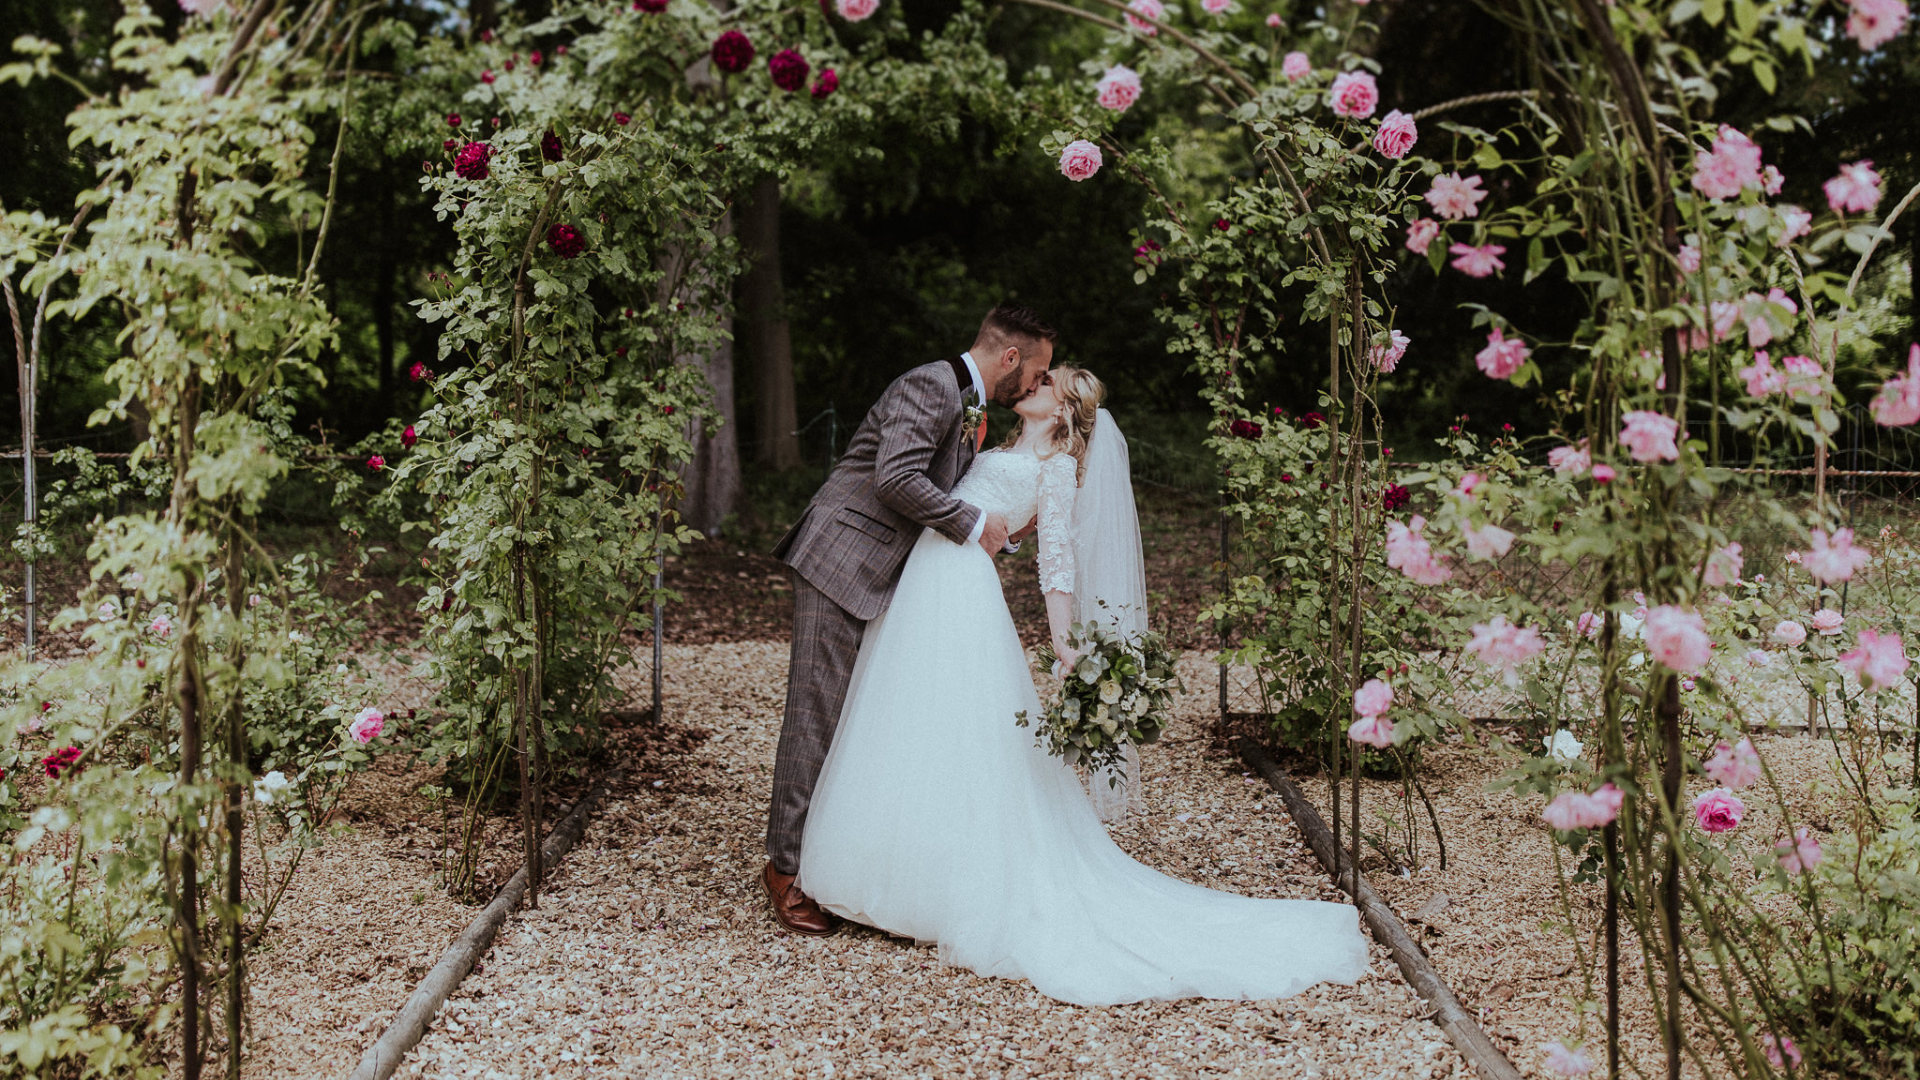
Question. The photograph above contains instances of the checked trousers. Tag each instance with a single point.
(826, 642)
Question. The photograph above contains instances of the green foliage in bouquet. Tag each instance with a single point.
(1120, 691)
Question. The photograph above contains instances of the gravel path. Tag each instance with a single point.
(652, 952)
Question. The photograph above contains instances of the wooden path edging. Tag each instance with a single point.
(1474, 1045)
(410, 1026)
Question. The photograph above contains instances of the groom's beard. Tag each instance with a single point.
(1008, 392)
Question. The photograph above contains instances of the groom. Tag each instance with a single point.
(848, 548)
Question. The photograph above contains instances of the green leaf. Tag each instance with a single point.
(1713, 11)
(1763, 74)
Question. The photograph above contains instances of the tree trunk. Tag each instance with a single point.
(383, 299)
(768, 339)
(712, 478)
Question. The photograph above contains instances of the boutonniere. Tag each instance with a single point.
(974, 418)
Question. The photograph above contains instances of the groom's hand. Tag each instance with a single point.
(994, 536)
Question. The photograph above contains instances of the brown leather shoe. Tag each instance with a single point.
(794, 909)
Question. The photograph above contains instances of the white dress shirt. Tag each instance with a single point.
(980, 399)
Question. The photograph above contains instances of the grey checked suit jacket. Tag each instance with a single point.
(894, 478)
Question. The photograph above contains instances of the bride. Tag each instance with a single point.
(937, 818)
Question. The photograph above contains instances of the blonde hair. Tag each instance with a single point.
(1081, 393)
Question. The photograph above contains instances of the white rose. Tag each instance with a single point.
(268, 786)
(1109, 691)
(1100, 716)
(1563, 747)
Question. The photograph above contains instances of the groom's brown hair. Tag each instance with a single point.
(1011, 320)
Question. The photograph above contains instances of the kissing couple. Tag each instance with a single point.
(904, 795)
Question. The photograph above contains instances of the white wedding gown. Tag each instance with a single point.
(937, 818)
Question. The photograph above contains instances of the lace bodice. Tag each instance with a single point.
(1020, 487)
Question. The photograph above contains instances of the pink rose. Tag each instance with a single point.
(1409, 552)
(366, 726)
(1678, 638)
(1718, 811)
(1762, 311)
(1354, 95)
(1828, 622)
(1771, 180)
(1789, 633)
(1834, 559)
(1396, 136)
(1118, 89)
(1373, 699)
(1736, 766)
(1570, 460)
(1376, 731)
(161, 626)
(1855, 190)
(1503, 647)
(1488, 542)
(1150, 9)
(1799, 854)
(856, 10)
(1794, 223)
(1080, 160)
(1762, 377)
(1468, 481)
(1215, 7)
(1295, 66)
(1804, 377)
(1387, 356)
(1730, 166)
(1723, 566)
(1649, 436)
(1878, 661)
(1571, 810)
(1501, 358)
(1479, 261)
(1689, 259)
(1758, 658)
(1454, 197)
(1566, 1062)
(1873, 23)
(1589, 625)
(1898, 403)
(1604, 473)
(1275, 22)
(1779, 1050)
(1420, 235)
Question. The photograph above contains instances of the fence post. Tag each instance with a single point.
(659, 613)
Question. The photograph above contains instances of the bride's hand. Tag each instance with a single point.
(1067, 658)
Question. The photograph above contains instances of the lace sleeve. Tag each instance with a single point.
(1059, 480)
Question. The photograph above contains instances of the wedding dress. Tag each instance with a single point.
(937, 818)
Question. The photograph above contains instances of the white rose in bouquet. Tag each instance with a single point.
(1109, 692)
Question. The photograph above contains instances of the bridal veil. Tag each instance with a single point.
(1111, 581)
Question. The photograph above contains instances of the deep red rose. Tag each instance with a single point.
(550, 147)
(560, 51)
(450, 144)
(1223, 224)
(509, 64)
(535, 58)
(825, 84)
(668, 410)
(487, 77)
(453, 119)
(59, 761)
(622, 119)
(376, 463)
(409, 437)
(1149, 252)
(565, 240)
(1246, 429)
(418, 371)
(789, 70)
(651, 7)
(1312, 420)
(486, 36)
(621, 351)
(471, 162)
(732, 52)
(1395, 497)
(446, 602)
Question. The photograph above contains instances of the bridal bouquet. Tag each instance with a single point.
(1119, 691)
